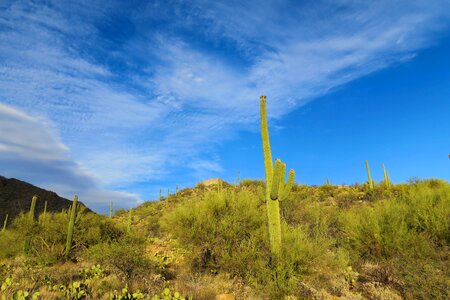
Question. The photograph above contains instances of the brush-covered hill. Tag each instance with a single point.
(338, 242)
(15, 197)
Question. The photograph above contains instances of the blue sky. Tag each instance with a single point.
(114, 100)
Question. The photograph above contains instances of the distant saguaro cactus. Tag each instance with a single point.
(387, 180)
(73, 212)
(369, 177)
(44, 213)
(28, 238)
(110, 209)
(276, 189)
(4, 223)
(130, 216)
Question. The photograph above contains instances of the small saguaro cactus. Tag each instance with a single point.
(130, 216)
(369, 177)
(33, 207)
(44, 213)
(73, 212)
(4, 223)
(28, 238)
(387, 180)
(276, 189)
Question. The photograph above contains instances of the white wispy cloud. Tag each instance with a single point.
(30, 149)
(139, 101)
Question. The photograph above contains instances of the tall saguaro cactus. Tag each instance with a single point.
(73, 212)
(369, 177)
(276, 189)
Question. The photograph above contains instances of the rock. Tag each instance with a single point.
(225, 297)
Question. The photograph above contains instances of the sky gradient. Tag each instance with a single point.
(114, 100)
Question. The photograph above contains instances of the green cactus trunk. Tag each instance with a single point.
(387, 180)
(71, 226)
(44, 213)
(29, 237)
(4, 223)
(369, 177)
(276, 189)
(130, 216)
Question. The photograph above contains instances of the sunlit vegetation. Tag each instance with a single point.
(376, 240)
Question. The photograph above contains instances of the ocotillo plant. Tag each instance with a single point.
(27, 243)
(387, 180)
(110, 209)
(369, 177)
(130, 216)
(4, 223)
(276, 189)
(73, 212)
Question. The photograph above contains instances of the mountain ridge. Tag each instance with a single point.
(15, 197)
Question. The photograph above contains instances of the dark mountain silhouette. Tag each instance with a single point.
(15, 197)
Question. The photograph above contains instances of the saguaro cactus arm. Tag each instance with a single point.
(288, 187)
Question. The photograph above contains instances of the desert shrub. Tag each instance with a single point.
(11, 244)
(126, 255)
(229, 234)
(408, 232)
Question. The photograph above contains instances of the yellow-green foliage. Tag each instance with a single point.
(338, 241)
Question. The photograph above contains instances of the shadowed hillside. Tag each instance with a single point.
(15, 197)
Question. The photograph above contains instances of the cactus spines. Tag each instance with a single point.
(4, 223)
(387, 180)
(369, 177)
(71, 226)
(130, 216)
(276, 188)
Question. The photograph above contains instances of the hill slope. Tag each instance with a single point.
(15, 197)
